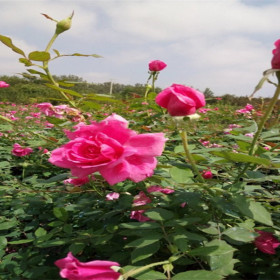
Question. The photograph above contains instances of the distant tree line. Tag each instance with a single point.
(30, 89)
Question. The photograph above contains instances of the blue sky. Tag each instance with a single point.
(224, 45)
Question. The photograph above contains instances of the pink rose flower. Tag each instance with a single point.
(156, 65)
(249, 107)
(207, 174)
(180, 100)
(19, 151)
(76, 181)
(112, 196)
(3, 84)
(110, 148)
(159, 189)
(275, 62)
(139, 200)
(143, 199)
(72, 269)
(266, 242)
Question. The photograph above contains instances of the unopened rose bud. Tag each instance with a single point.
(64, 24)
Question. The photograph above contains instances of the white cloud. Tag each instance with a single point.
(170, 20)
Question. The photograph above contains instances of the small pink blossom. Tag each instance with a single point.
(139, 200)
(234, 125)
(156, 65)
(183, 204)
(152, 189)
(266, 242)
(251, 135)
(207, 174)
(112, 196)
(275, 62)
(76, 181)
(204, 110)
(20, 151)
(249, 107)
(3, 84)
(72, 269)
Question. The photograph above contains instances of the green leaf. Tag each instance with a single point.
(42, 75)
(222, 258)
(91, 105)
(25, 61)
(39, 56)
(40, 232)
(77, 247)
(197, 275)
(159, 214)
(240, 234)
(3, 242)
(181, 175)
(68, 91)
(60, 213)
(7, 225)
(22, 241)
(253, 209)
(142, 242)
(150, 275)
(181, 241)
(137, 225)
(8, 42)
(53, 243)
(142, 253)
(237, 157)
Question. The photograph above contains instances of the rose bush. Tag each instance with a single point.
(111, 149)
(180, 100)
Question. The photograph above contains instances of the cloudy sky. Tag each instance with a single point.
(224, 45)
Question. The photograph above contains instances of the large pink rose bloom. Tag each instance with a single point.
(110, 148)
(156, 65)
(275, 62)
(266, 242)
(73, 269)
(180, 100)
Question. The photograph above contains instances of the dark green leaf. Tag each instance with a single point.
(159, 214)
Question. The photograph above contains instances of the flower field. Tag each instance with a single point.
(162, 186)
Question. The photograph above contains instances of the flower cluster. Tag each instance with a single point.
(143, 199)
(20, 151)
(60, 111)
